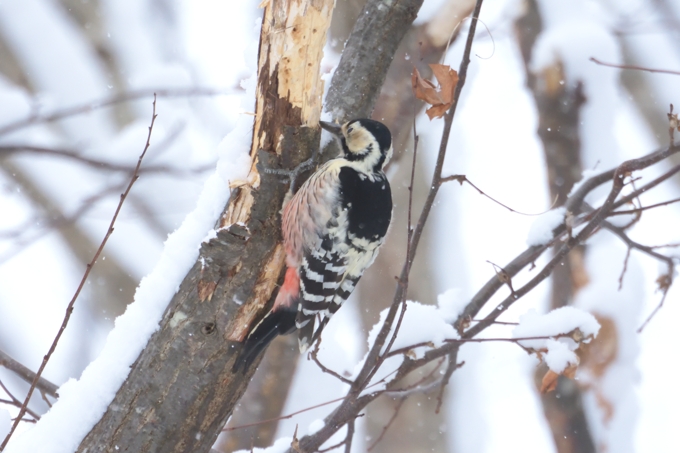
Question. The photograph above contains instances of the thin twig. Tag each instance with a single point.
(314, 357)
(355, 401)
(664, 281)
(57, 222)
(16, 403)
(655, 182)
(664, 246)
(90, 106)
(301, 411)
(644, 208)
(404, 282)
(397, 408)
(452, 366)
(69, 308)
(654, 312)
(418, 386)
(636, 68)
(7, 150)
(333, 447)
(285, 417)
(463, 179)
(350, 436)
(27, 375)
(502, 323)
(625, 267)
(597, 218)
(368, 369)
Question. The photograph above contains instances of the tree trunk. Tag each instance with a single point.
(181, 389)
(559, 110)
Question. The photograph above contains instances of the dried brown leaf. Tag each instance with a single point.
(447, 78)
(424, 90)
(570, 372)
(664, 281)
(440, 98)
(549, 381)
(437, 111)
(598, 355)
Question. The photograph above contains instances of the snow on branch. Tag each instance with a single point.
(564, 328)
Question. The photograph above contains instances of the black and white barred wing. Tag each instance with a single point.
(321, 275)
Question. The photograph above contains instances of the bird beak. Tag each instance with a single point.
(333, 128)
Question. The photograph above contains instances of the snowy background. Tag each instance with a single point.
(54, 211)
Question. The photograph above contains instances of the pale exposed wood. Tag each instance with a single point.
(261, 294)
(182, 388)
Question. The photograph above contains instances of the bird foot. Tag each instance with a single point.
(291, 174)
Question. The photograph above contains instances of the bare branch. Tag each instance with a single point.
(636, 68)
(400, 402)
(313, 355)
(87, 107)
(574, 202)
(7, 150)
(69, 308)
(27, 375)
(355, 401)
(463, 179)
(644, 208)
(16, 403)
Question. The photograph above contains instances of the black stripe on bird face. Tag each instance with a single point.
(365, 139)
(379, 131)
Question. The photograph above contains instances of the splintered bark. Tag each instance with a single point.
(355, 93)
(181, 389)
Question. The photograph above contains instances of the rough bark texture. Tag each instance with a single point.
(559, 107)
(264, 399)
(181, 389)
(261, 401)
(367, 56)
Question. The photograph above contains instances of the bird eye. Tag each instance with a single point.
(349, 130)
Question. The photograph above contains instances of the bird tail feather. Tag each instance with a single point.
(279, 321)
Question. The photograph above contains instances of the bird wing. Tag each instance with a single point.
(315, 235)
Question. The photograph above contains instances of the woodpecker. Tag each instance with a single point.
(332, 230)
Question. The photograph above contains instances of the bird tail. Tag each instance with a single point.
(279, 321)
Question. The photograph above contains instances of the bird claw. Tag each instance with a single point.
(291, 174)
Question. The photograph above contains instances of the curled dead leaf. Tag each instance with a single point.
(440, 98)
(549, 381)
(425, 90)
(577, 335)
(664, 281)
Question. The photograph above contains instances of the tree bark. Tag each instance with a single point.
(181, 389)
(264, 399)
(367, 56)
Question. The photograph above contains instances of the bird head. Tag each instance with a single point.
(364, 141)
